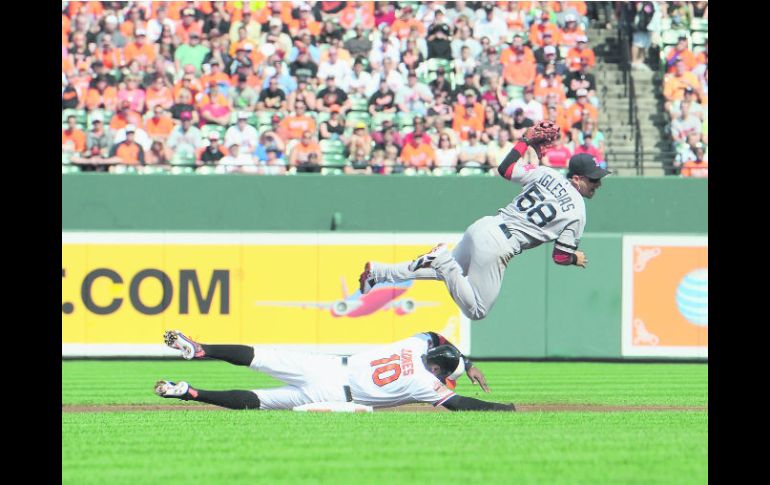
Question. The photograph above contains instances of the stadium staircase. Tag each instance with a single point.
(631, 113)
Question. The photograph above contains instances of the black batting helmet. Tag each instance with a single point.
(449, 359)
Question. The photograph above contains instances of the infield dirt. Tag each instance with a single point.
(419, 408)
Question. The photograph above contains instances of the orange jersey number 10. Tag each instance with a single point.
(387, 370)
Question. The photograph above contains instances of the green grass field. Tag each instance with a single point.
(240, 447)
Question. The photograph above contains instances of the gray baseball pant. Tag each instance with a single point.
(472, 271)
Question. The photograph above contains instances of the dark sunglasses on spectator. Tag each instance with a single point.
(593, 181)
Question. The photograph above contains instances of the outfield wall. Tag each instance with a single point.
(545, 310)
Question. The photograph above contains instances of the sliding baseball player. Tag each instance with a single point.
(422, 368)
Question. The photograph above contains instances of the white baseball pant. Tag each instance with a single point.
(309, 378)
(472, 271)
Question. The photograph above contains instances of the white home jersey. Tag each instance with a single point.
(548, 208)
(394, 374)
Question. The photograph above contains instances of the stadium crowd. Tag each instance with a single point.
(332, 87)
(674, 36)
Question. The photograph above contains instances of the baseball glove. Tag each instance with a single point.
(542, 135)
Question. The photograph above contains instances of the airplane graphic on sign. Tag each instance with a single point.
(382, 297)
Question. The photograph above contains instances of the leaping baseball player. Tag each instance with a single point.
(422, 368)
(550, 207)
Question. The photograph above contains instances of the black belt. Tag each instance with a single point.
(348, 394)
(506, 231)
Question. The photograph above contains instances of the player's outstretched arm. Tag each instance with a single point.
(462, 403)
(539, 137)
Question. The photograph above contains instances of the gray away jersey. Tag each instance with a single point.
(548, 208)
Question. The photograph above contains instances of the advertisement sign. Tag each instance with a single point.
(665, 296)
(121, 291)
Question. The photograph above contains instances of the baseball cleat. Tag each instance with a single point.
(426, 259)
(177, 340)
(172, 389)
(366, 280)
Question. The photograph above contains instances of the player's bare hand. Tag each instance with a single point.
(582, 261)
(477, 377)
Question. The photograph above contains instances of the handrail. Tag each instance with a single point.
(624, 41)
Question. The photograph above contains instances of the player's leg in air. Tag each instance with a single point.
(472, 271)
(287, 366)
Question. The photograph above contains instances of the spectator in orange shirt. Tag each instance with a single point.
(697, 165)
(419, 155)
(304, 22)
(572, 31)
(159, 94)
(680, 52)
(214, 106)
(128, 152)
(73, 139)
(467, 119)
(557, 114)
(301, 152)
(404, 24)
(515, 49)
(187, 26)
(576, 55)
(140, 50)
(133, 21)
(537, 29)
(519, 71)
(102, 96)
(357, 13)
(188, 82)
(549, 83)
(675, 83)
(108, 54)
(216, 76)
(160, 124)
(124, 116)
(292, 127)
(581, 108)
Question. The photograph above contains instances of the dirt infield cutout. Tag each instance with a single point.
(418, 408)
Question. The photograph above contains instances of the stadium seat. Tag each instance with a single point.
(465, 171)
(699, 38)
(65, 158)
(206, 129)
(123, 169)
(405, 119)
(332, 171)
(332, 147)
(515, 92)
(376, 122)
(359, 104)
(80, 116)
(106, 117)
(699, 25)
(355, 116)
(444, 171)
(205, 170)
(265, 117)
(333, 160)
(183, 158)
(322, 116)
(152, 170)
(70, 169)
(671, 37)
(178, 170)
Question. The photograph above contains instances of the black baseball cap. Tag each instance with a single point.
(585, 165)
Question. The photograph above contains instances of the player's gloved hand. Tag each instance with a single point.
(582, 261)
(477, 377)
(542, 135)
